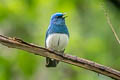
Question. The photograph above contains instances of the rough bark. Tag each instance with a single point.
(67, 58)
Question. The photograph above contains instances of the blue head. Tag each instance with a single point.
(58, 19)
(57, 24)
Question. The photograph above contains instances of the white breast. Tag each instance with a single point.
(57, 41)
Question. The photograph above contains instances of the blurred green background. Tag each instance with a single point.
(90, 37)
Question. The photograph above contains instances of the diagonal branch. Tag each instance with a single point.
(67, 58)
(109, 23)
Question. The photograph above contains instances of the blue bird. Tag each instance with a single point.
(57, 37)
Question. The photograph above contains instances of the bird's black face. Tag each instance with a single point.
(58, 18)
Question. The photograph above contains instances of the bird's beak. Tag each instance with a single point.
(64, 15)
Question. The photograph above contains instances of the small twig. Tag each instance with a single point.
(67, 58)
(109, 23)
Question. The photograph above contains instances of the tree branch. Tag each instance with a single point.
(109, 23)
(67, 58)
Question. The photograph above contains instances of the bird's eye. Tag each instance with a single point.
(58, 16)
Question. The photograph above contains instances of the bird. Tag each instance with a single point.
(57, 37)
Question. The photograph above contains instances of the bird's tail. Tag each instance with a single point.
(51, 62)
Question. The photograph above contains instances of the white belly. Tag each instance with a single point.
(57, 41)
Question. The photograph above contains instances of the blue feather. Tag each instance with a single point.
(57, 29)
(55, 41)
(57, 26)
